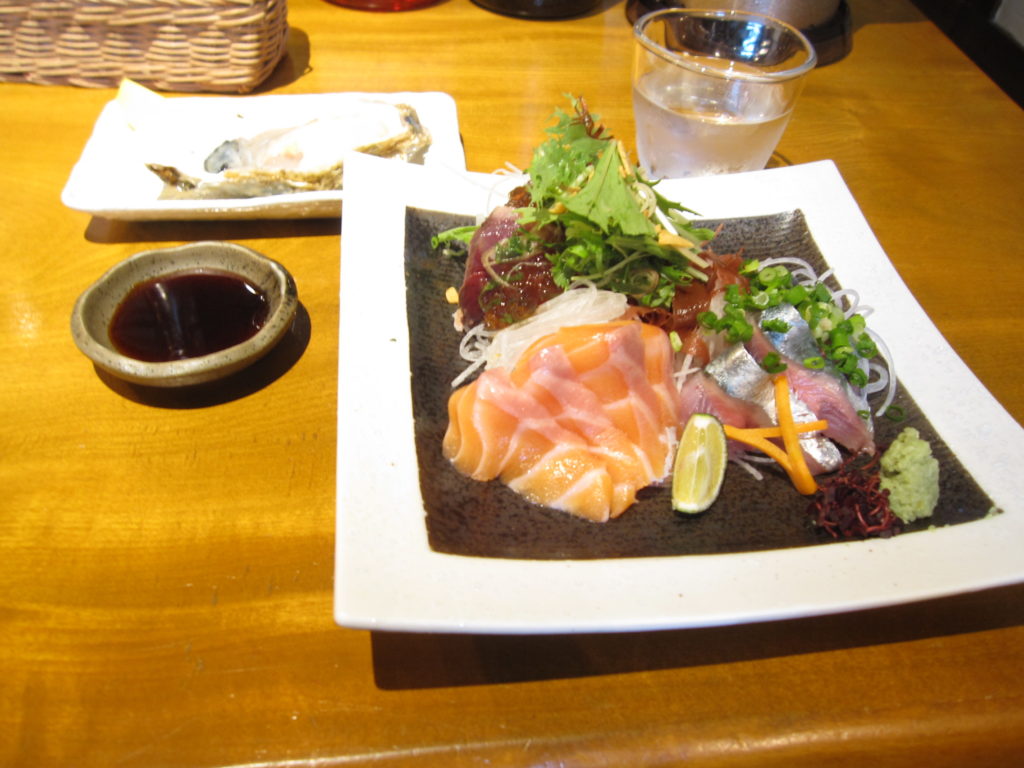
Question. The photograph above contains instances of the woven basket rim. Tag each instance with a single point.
(174, 45)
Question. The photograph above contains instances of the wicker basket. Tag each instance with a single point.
(228, 46)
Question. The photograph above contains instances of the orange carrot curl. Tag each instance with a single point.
(790, 457)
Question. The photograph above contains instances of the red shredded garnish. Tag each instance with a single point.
(851, 505)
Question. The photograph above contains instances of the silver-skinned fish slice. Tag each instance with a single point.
(826, 392)
(740, 376)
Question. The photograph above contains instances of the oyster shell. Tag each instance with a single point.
(299, 158)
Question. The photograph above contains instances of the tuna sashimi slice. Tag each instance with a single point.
(501, 224)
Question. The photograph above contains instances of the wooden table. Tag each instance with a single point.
(166, 567)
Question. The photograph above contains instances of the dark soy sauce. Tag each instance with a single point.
(188, 314)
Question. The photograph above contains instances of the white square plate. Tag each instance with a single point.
(386, 575)
(110, 178)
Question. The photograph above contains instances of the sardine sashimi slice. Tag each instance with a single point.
(827, 398)
(702, 394)
(587, 417)
(798, 343)
(740, 376)
(825, 392)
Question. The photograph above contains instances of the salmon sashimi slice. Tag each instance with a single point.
(588, 416)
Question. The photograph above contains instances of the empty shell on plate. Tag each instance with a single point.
(299, 158)
(257, 155)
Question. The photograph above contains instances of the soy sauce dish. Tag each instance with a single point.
(191, 314)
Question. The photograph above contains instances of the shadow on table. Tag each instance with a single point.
(245, 382)
(864, 12)
(293, 65)
(108, 231)
(410, 661)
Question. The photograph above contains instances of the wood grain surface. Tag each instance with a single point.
(166, 562)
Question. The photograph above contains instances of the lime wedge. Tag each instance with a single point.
(700, 464)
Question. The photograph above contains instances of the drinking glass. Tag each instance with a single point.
(714, 90)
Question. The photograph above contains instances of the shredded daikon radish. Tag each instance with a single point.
(582, 304)
(880, 382)
(883, 352)
(469, 371)
(474, 344)
(685, 369)
(852, 301)
(747, 461)
(473, 348)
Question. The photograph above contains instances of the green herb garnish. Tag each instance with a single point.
(453, 243)
(619, 232)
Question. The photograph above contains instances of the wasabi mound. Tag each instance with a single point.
(911, 475)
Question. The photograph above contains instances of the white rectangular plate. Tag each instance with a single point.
(110, 178)
(386, 575)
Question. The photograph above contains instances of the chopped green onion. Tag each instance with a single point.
(866, 346)
(776, 325)
(675, 341)
(847, 365)
(814, 363)
(708, 320)
(739, 330)
(759, 300)
(821, 293)
(773, 277)
(772, 363)
(795, 295)
(749, 267)
(895, 413)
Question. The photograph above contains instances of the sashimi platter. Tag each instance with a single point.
(607, 409)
